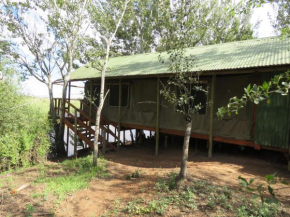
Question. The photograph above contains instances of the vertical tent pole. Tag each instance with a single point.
(157, 117)
(67, 129)
(119, 113)
(75, 134)
(91, 101)
(211, 116)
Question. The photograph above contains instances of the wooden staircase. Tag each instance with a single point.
(84, 126)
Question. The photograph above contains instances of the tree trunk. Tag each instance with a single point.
(51, 103)
(102, 95)
(59, 138)
(184, 158)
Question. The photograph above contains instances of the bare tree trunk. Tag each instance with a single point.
(184, 158)
(51, 103)
(59, 138)
(102, 97)
(100, 107)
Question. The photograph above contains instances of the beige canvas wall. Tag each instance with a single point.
(142, 108)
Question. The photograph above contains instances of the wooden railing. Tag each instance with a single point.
(86, 122)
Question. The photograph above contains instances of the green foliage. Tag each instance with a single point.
(254, 208)
(30, 209)
(181, 89)
(134, 175)
(24, 125)
(259, 189)
(279, 84)
(76, 175)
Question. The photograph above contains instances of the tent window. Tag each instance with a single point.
(114, 96)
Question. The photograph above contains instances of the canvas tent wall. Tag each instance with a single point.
(236, 64)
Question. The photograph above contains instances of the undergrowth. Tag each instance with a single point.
(24, 125)
(73, 175)
(194, 195)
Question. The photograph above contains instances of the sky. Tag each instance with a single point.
(34, 88)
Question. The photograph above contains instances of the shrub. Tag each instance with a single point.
(24, 125)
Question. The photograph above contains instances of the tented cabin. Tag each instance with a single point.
(134, 100)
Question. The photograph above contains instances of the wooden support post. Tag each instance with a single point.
(166, 141)
(69, 91)
(119, 113)
(104, 141)
(157, 117)
(124, 137)
(211, 116)
(289, 159)
(67, 132)
(132, 137)
(108, 133)
(115, 134)
(150, 135)
(75, 134)
(91, 99)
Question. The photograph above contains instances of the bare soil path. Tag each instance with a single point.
(103, 194)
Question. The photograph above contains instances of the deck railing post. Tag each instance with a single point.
(119, 113)
(75, 133)
(211, 116)
(157, 117)
(91, 101)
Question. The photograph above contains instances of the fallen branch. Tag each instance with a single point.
(20, 188)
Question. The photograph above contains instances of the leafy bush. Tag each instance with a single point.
(24, 125)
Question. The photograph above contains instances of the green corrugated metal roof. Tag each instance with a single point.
(234, 55)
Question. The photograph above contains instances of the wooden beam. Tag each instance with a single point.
(76, 134)
(91, 99)
(211, 116)
(157, 117)
(119, 113)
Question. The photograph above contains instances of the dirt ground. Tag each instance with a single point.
(222, 169)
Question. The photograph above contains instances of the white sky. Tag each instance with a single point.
(35, 88)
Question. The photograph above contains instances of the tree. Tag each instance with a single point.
(181, 91)
(106, 18)
(153, 25)
(281, 23)
(68, 22)
(30, 46)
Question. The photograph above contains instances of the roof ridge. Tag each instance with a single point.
(208, 45)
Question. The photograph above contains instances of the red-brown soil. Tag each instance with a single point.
(102, 194)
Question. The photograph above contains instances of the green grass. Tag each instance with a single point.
(186, 197)
(76, 175)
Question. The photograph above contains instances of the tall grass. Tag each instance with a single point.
(24, 126)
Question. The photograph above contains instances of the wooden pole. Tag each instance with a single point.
(124, 137)
(119, 113)
(132, 137)
(157, 117)
(115, 134)
(91, 99)
(75, 134)
(211, 116)
(67, 132)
